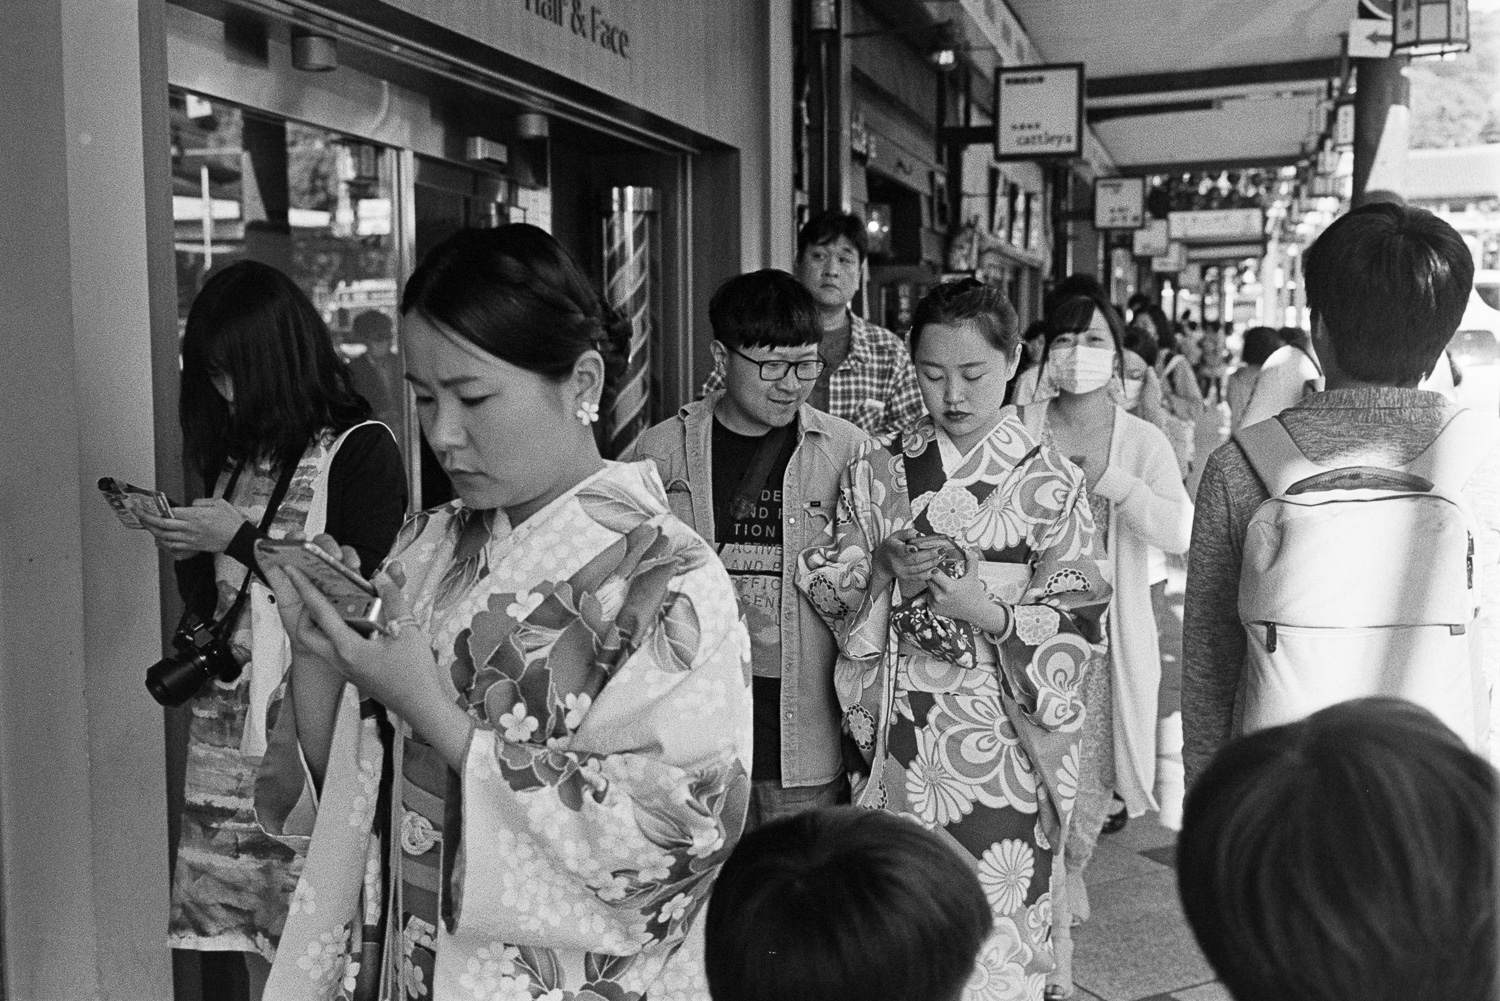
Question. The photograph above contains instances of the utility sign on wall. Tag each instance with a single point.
(1039, 112)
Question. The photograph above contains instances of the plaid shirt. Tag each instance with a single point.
(876, 386)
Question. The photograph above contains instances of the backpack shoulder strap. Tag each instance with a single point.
(1275, 457)
(1457, 450)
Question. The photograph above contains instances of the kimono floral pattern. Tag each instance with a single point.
(599, 649)
(961, 730)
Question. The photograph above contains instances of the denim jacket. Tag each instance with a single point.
(680, 447)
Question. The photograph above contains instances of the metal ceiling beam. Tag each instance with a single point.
(1141, 169)
(1222, 76)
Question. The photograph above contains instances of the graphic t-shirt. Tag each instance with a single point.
(751, 552)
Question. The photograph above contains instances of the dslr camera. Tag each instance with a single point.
(202, 653)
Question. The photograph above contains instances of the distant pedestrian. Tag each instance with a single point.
(1260, 343)
(1291, 373)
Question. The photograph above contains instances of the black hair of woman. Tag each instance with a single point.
(252, 325)
(1260, 343)
(969, 300)
(515, 293)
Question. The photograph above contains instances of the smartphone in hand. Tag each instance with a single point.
(953, 560)
(127, 499)
(354, 597)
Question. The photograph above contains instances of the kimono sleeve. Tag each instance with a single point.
(836, 578)
(1049, 645)
(608, 840)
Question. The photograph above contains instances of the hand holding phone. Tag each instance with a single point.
(952, 560)
(355, 598)
(128, 500)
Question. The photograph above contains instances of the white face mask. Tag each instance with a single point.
(1081, 370)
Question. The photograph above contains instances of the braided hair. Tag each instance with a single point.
(514, 292)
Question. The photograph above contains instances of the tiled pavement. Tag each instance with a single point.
(1136, 946)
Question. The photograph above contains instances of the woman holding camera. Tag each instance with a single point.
(282, 444)
(964, 592)
(527, 781)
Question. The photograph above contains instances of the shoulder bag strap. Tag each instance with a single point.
(278, 493)
(1275, 457)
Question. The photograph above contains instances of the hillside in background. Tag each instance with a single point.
(1458, 103)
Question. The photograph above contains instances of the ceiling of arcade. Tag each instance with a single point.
(1186, 83)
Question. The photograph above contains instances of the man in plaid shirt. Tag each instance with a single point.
(869, 380)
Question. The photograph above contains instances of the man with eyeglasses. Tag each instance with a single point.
(755, 470)
(868, 378)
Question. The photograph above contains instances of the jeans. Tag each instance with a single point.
(770, 801)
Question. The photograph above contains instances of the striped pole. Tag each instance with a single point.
(629, 266)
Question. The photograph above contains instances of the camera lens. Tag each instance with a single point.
(173, 680)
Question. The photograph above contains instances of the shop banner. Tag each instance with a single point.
(1173, 261)
(1151, 239)
(1039, 112)
(1217, 225)
(1226, 251)
(1119, 202)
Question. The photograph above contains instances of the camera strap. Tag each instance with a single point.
(278, 493)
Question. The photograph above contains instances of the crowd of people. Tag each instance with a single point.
(830, 685)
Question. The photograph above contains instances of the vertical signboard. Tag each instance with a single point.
(1039, 112)
(1119, 202)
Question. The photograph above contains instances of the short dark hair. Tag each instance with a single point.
(968, 300)
(828, 226)
(254, 324)
(1260, 344)
(767, 308)
(1079, 283)
(844, 904)
(1390, 284)
(1140, 337)
(1346, 857)
(514, 292)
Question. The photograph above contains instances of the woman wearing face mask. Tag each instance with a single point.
(963, 591)
(556, 719)
(1138, 502)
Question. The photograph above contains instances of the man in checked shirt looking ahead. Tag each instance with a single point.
(869, 379)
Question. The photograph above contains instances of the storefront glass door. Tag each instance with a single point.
(319, 205)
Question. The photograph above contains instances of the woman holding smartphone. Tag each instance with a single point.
(270, 418)
(961, 684)
(1138, 503)
(561, 686)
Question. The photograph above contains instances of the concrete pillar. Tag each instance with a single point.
(83, 834)
(1382, 125)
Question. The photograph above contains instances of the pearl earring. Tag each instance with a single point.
(587, 413)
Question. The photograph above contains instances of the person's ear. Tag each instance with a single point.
(1013, 360)
(720, 354)
(586, 383)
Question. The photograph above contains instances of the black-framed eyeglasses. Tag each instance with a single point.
(776, 369)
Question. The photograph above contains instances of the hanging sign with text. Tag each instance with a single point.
(1151, 239)
(1173, 261)
(1217, 225)
(1039, 112)
(1119, 202)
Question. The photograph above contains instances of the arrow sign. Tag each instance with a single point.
(1369, 39)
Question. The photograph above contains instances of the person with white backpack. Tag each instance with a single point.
(1350, 546)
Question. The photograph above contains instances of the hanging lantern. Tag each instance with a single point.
(1431, 27)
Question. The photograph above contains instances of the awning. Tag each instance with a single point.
(1192, 84)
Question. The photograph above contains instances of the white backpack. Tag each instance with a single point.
(1361, 581)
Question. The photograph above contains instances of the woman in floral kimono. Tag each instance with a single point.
(961, 672)
(542, 761)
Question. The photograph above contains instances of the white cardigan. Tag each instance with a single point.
(1148, 508)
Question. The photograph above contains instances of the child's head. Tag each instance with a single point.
(844, 904)
(1347, 856)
